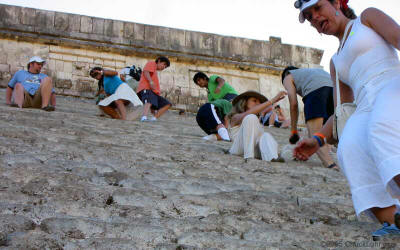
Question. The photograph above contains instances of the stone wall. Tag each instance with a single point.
(72, 44)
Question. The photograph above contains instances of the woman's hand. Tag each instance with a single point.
(305, 148)
(279, 97)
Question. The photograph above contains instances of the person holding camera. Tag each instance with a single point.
(316, 89)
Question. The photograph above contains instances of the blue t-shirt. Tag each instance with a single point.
(30, 82)
(111, 83)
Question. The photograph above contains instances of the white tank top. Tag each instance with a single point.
(365, 62)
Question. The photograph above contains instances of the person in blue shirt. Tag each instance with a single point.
(30, 88)
(116, 93)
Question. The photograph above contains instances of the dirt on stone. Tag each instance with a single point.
(71, 179)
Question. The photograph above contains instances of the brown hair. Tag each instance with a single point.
(238, 108)
(346, 10)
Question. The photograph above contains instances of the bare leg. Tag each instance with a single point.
(121, 108)
(162, 110)
(313, 126)
(146, 108)
(19, 94)
(53, 99)
(272, 119)
(45, 90)
(384, 214)
(110, 111)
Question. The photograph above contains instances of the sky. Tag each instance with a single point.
(254, 19)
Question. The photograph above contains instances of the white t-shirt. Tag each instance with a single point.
(125, 72)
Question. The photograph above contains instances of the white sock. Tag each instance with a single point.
(224, 134)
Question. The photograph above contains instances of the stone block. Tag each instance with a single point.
(3, 58)
(44, 19)
(98, 61)
(129, 30)
(139, 31)
(108, 63)
(61, 22)
(85, 59)
(51, 64)
(55, 56)
(63, 83)
(98, 26)
(70, 58)
(10, 15)
(223, 46)
(4, 68)
(314, 56)
(118, 28)
(28, 16)
(120, 65)
(41, 50)
(68, 68)
(84, 86)
(177, 39)
(200, 42)
(59, 66)
(74, 22)
(86, 24)
(108, 27)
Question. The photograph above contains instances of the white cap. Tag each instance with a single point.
(302, 5)
(36, 59)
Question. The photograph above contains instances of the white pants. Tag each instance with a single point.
(252, 142)
(369, 151)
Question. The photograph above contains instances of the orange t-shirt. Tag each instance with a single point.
(151, 67)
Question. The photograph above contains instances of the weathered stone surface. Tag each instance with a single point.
(28, 16)
(61, 21)
(15, 223)
(3, 239)
(96, 183)
(86, 24)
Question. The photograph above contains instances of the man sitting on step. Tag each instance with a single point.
(30, 88)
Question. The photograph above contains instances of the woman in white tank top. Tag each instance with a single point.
(369, 74)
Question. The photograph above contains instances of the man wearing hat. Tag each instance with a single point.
(30, 88)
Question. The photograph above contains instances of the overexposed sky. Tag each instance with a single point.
(254, 19)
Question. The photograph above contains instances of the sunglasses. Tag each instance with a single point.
(300, 3)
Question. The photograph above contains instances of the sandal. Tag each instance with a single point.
(334, 167)
(49, 108)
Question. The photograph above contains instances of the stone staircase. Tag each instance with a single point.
(71, 179)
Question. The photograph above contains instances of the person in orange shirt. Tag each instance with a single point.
(149, 89)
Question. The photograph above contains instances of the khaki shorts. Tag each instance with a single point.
(34, 101)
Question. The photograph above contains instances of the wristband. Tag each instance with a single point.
(322, 136)
(318, 140)
(295, 132)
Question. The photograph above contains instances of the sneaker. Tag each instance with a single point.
(211, 137)
(386, 230)
(153, 119)
(144, 119)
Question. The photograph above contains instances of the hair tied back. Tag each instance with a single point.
(344, 5)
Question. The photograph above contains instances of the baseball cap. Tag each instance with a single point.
(36, 59)
(302, 5)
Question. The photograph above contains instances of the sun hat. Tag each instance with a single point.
(36, 59)
(249, 94)
(302, 5)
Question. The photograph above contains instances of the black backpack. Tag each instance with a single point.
(135, 72)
